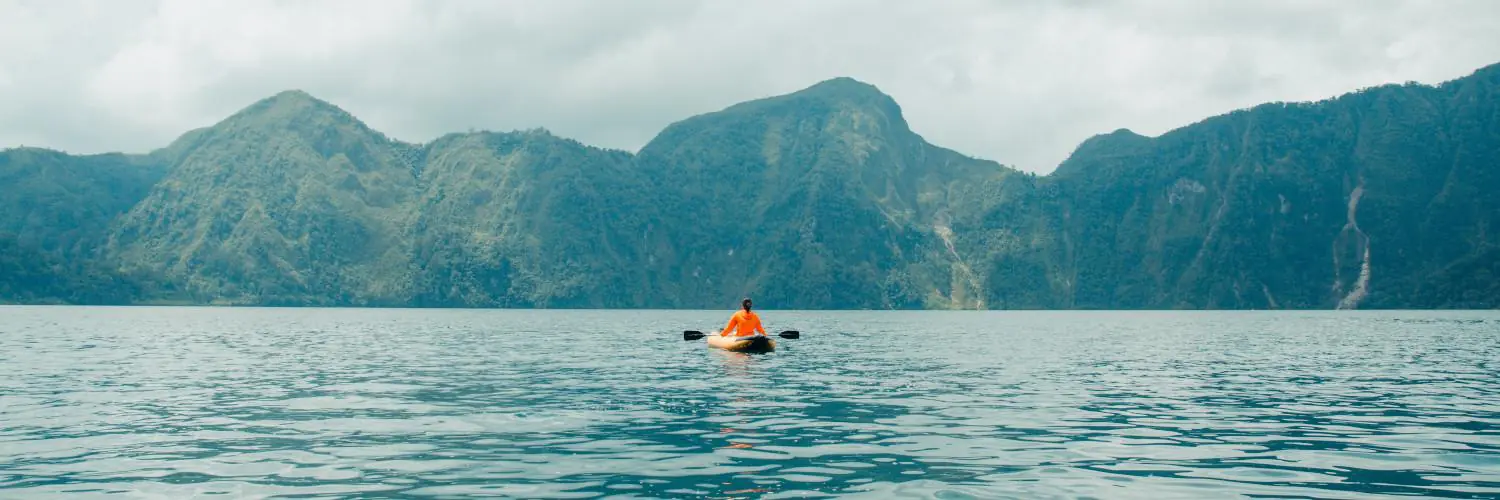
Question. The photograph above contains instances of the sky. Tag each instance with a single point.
(1020, 82)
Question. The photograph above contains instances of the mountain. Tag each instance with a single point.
(1380, 198)
(822, 198)
(291, 201)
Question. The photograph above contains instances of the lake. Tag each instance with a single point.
(244, 403)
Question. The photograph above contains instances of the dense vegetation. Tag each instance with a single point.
(30, 275)
(823, 198)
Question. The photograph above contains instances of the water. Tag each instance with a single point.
(240, 403)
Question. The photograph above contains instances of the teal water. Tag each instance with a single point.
(243, 403)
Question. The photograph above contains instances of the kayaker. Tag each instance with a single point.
(744, 323)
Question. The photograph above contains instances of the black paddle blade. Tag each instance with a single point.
(692, 335)
(791, 334)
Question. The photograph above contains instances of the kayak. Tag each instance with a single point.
(754, 343)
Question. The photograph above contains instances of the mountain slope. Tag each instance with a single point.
(29, 275)
(63, 204)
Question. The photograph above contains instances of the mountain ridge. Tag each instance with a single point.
(821, 198)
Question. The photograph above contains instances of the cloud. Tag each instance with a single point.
(1018, 82)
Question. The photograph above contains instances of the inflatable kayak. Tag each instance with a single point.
(754, 343)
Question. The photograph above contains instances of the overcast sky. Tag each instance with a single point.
(1019, 82)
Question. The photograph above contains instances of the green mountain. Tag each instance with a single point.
(290, 201)
(823, 198)
(1379, 198)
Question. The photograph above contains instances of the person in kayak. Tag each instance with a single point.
(744, 322)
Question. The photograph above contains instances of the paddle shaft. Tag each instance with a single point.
(695, 334)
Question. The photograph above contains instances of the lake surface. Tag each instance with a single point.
(241, 403)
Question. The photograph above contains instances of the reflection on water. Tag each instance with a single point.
(734, 366)
(169, 402)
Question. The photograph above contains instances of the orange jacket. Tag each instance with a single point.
(744, 323)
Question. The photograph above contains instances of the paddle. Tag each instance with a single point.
(695, 334)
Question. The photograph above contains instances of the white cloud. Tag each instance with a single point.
(1018, 82)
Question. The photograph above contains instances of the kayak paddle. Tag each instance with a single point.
(695, 334)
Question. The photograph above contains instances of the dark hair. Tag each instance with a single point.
(745, 303)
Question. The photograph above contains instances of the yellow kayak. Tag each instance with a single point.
(755, 343)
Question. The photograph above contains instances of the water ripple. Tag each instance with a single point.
(178, 402)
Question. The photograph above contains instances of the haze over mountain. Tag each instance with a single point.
(823, 198)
